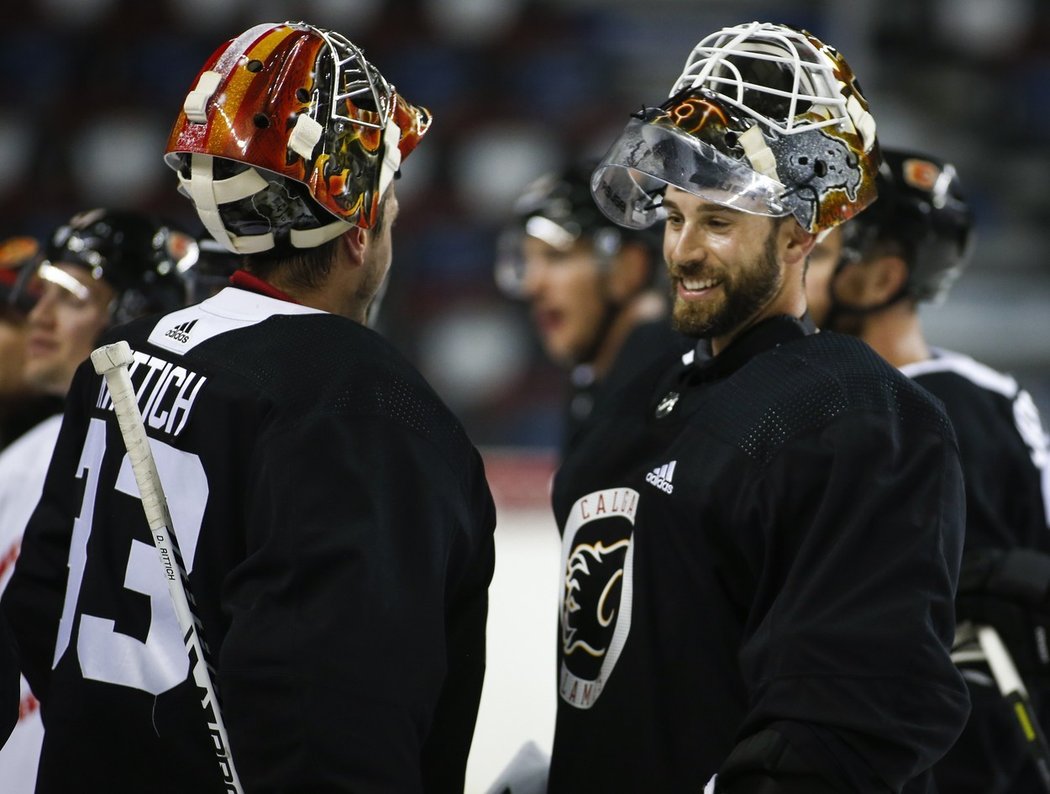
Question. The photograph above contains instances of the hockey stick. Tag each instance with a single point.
(111, 361)
(1014, 692)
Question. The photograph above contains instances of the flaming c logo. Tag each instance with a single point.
(604, 567)
(597, 557)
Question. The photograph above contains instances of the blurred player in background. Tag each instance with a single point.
(333, 516)
(760, 544)
(21, 407)
(596, 291)
(868, 278)
(103, 267)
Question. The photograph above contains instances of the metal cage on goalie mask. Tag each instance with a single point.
(141, 257)
(921, 208)
(290, 137)
(764, 118)
(558, 209)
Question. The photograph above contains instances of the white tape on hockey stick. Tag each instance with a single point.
(1013, 690)
(111, 361)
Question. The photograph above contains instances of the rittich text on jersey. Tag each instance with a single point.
(165, 393)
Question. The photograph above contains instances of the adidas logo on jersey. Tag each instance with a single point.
(181, 333)
(661, 477)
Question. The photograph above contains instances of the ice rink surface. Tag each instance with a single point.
(518, 701)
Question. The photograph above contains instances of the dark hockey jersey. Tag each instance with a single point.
(338, 530)
(1003, 448)
(644, 344)
(760, 552)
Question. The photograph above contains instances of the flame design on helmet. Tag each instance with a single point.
(806, 101)
(298, 103)
(764, 118)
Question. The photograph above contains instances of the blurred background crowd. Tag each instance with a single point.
(89, 89)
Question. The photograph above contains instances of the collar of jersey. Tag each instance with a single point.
(759, 338)
(249, 281)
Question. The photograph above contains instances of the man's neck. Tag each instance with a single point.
(895, 333)
(334, 297)
(789, 302)
(643, 308)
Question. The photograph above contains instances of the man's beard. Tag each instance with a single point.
(746, 292)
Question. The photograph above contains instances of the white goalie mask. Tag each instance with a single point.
(763, 118)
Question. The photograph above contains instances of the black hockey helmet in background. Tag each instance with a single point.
(142, 257)
(922, 210)
(212, 270)
(558, 209)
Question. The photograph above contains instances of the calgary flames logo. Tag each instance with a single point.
(597, 593)
(591, 587)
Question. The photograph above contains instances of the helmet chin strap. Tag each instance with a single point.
(610, 311)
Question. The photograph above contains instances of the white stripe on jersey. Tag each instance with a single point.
(974, 371)
(1026, 415)
(230, 309)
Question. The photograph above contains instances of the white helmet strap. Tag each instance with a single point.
(209, 194)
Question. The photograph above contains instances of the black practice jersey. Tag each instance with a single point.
(1003, 447)
(337, 526)
(644, 344)
(760, 550)
(1004, 457)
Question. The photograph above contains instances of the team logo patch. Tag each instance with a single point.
(597, 558)
(920, 174)
(667, 404)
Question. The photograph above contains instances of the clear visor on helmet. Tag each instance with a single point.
(513, 263)
(63, 280)
(33, 281)
(629, 181)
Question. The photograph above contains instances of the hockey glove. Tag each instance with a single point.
(1010, 591)
(766, 763)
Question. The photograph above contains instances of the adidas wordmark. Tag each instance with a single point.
(661, 477)
(181, 332)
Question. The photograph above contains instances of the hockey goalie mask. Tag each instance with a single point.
(289, 137)
(765, 119)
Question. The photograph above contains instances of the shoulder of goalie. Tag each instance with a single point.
(1009, 589)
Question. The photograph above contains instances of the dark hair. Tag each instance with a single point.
(305, 268)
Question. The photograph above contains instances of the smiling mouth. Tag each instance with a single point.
(699, 284)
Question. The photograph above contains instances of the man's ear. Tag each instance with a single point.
(628, 273)
(355, 241)
(795, 243)
(871, 282)
(887, 277)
